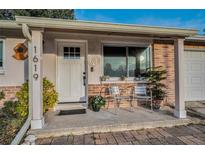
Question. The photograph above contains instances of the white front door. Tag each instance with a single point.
(194, 75)
(71, 72)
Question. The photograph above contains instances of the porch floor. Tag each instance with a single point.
(106, 121)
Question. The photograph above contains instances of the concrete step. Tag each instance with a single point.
(104, 128)
(70, 106)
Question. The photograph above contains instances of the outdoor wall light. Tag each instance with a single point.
(92, 62)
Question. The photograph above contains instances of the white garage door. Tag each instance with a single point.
(194, 75)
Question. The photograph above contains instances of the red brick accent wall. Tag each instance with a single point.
(163, 55)
(102, 89)
(10, 92)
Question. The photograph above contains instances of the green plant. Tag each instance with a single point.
(8, 128)
(123, 78)
(23, 99)
(96, 102)
(50, 97)
(10, 122)
(10, 109)
(2, 95)
(104, 78)
(155, 77)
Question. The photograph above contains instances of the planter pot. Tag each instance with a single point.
(96, 108)
(50, 109)
(157, 104)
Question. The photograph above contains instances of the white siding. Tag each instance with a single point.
(14, 69)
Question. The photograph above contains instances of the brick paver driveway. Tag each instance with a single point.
(191, 134)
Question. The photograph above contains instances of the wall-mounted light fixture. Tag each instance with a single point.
(92, 62)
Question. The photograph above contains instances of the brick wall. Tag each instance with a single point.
(163, 55)
(10, 92)
(102, 89)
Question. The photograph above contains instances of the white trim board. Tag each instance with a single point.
(85, 42)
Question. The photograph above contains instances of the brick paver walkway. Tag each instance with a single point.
(191, 134)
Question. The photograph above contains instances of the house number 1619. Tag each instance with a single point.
(35, 61)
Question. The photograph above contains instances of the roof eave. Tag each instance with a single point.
(104, 27)
(8, 24)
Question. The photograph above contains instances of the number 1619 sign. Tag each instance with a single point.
(35, 61)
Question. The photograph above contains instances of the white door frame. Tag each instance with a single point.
(85, 42)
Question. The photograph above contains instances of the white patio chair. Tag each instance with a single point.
(116, 94)
(140, 94)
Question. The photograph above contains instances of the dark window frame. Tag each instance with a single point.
(3, 56)
(148, 56)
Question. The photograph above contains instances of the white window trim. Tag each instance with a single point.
(120, 44)
(2, 69)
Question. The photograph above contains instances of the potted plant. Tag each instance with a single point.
(104, 78)
(96, 102)
(123, 78)
(155, 77)
(2, 95)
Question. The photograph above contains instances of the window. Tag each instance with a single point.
(1, 53)
(126, 61)
(71, 53)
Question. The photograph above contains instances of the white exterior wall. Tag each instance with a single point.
(94, 49)
(14, 69)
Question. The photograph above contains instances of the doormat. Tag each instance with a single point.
(72, 112)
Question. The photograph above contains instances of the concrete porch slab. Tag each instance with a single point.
(196, 107)
(106, 121)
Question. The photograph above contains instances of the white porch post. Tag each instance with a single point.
(35, 79)
(180, 111)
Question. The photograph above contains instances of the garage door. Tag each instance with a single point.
(194, 75)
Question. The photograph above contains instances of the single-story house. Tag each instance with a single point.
(74, 55)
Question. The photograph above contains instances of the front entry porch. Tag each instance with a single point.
(43, 61)
(106, 121)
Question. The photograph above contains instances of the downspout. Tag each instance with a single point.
(27, 35)
(26, 125)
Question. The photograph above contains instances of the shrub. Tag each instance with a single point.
(50, 97)
(96, 102)
(14, 113)
(23, 98)
(8, 129)
(9, 109)
(155, 77)
(10, 122)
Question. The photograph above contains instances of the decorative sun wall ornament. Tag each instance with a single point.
(93, 61)
(21, 51)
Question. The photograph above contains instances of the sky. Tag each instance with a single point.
(172, 18)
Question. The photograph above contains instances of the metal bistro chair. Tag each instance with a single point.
(116, 94)
(140, 93)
